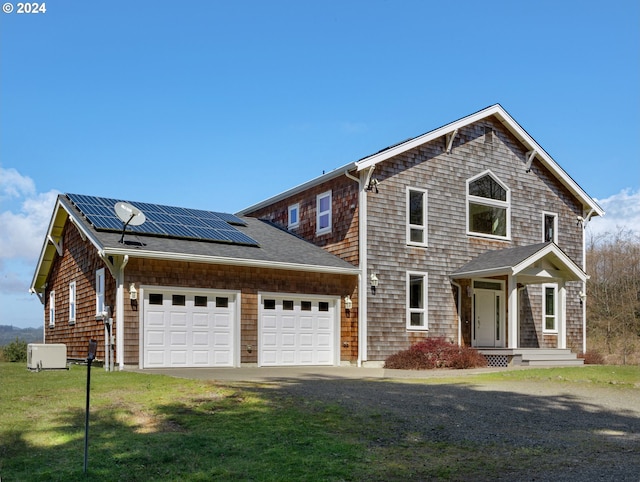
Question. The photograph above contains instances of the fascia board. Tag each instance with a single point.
(300, 188)
(483, 273)
(513, 127)
(251, 263)
(554, 250)
(68, 214)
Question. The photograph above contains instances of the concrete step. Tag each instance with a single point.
(552, 363)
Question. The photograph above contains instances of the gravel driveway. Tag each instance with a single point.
(527, 430)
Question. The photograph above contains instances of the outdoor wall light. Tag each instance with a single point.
(133, 293)
(583, 296)
(348, 304)
(374, 283)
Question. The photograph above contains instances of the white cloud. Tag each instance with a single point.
(622, 211)
(24, 225)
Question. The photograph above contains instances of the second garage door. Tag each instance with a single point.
(297, 330)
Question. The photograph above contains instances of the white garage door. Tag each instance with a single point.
(188, 329)
(297, 331)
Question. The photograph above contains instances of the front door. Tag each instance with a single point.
(488, 329)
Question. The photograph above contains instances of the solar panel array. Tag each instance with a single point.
(166, 221)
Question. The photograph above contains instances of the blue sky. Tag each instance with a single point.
(218, 105)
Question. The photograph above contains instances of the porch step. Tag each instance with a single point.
(531, 357)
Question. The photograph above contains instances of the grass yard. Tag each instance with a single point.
(152, 427)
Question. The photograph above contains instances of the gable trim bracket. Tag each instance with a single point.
(530, 156)
(449, 140)
(57, 244)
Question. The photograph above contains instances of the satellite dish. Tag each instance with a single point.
(129, 215)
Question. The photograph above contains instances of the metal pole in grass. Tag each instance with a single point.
(93, 345)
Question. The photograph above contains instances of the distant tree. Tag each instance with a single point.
(16, 351)
(613, 309)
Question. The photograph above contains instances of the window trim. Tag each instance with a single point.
(52, 308)
(425, 226)
(100, 291)
(553, 286)
(425, 301)
(483, 201)
(555, 226)
(319, 213)
(72, 302)
(293, 208)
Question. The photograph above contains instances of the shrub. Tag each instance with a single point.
(592, 358)
(16, 351)
(436, 353)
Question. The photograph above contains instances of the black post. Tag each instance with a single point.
(93, 345)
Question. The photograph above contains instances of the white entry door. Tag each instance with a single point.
(488, 323)
(297, 330)
(188, 329)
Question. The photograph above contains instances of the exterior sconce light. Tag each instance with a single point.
(469, 292)
(374, 283)
(583, 296)
(133, 293)
(348, 304)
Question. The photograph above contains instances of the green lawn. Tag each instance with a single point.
(152, 427)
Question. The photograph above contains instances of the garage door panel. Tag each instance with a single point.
(187, 329)
(297, 331)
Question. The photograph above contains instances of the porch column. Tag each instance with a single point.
(512, 322)
(562, 315)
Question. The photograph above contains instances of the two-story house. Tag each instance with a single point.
(470, 232)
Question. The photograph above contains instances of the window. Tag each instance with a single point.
(305, 305)
(179, 300)
(99, 291)
(72, 302)
(287, 305)
(323, 306)
(549, 227)
(323, 213)
(155, 298)
(417, 301)
(488, 206)
(549, 298)
(200, 301)
(416, 217)
(269, 304)
(222, 302)
(294, 216)
(52, 309)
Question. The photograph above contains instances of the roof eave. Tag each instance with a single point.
(251, 263)
(297, 189)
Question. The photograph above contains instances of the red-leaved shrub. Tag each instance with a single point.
(592, 358)
(435, 353)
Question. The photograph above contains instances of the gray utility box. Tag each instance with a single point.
(43, 356)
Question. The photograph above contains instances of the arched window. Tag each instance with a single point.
(488, 206)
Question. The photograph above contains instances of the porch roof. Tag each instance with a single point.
(535, 263)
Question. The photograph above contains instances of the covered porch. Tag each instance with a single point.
(491, 314)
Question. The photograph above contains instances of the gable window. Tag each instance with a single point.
(72, 302)
(52, 309)
(549, 308)
(488, 206)
(416, 217)
(294, 216)
(323, 213)
(549, 227)
(417, 301)
(99, 291)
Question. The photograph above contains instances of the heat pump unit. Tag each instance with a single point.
(42, 356)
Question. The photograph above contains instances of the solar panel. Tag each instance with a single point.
(167, 221)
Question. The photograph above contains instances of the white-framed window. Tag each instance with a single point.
(72, 302)
(550, 308)
(549, 227)
(52, 309)
(323, 213)
(416, 216)
(294, 216)
(100, 291)
(488, 206)
(417, 301)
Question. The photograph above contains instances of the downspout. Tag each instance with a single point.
(120, 312)
(459, 302)
(362, 256)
